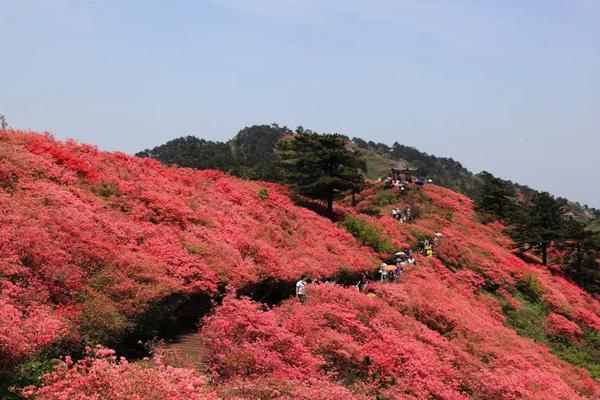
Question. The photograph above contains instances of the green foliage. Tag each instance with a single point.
(3, 122)
(382, 199)
(529, 321)
(580, 245)
(263, 194)
(371, 210)
(385, 198)
(31, 370)
(418, 235)
(584, 353)
(192, 152)
(368, 234)
(253, 150)
(443, 171)
(484, 217)
(106, 189)
(494, 196)
(530, 286)
(250, 154)
(321, 166)
(538, 224)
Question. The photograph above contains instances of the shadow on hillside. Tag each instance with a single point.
(270, 291)
(178, 316)
(273, 292)
(175, 315)
(318, 207)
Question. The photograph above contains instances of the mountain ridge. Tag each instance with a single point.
(194, 152)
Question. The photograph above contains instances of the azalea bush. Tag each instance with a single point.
(103, 376)
(558, 326)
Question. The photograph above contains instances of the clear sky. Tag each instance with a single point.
(512, 87)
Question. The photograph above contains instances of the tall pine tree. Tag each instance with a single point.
(321, 166)
(539, 224)
(581, 248)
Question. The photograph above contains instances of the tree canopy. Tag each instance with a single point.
(494, 196)
(581, 248)
(3, 122)
(538, 224)
(321, 166)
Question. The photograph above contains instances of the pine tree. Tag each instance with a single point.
(539, 224)
(3, 122)
(494, 196)
(321, 166)
(581, 247)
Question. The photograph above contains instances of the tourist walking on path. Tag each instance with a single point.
(301, 289)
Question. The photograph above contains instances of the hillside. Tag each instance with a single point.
(251, 154)
(106, 249)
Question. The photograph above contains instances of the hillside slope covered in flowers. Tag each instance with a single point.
(93, 242)
(95, 245)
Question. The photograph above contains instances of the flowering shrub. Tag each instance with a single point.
(560, 327)
(509, 299)
(373, 348)
(101, 376)
(243, 341)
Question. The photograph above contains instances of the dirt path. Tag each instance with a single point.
(189, 347)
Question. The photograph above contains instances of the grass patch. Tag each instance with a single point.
(418, 235)
(385, 198)
(367, 234)
(106, 189)
(263, 194)
(585, 354)
(529, 321)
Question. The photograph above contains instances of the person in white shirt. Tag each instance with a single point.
(383, 272)
(301, 289)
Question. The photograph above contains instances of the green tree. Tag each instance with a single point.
(494, 196)
(581, 247)
(538, 224)
(193, 152)
(254, 151)
(321, 166)
(3, 122)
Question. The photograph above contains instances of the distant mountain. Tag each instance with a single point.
(251, 155)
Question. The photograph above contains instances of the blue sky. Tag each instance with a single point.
(512, 87)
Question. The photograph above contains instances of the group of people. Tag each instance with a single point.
(304, 282)
(389, 183)
(426, 246)
(388, 272)
(392, 272)
(400, 215)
